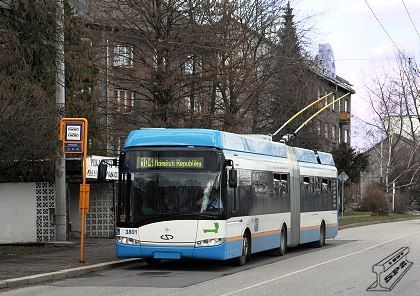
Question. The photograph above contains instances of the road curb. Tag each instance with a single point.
(375, 222)
(63, 274)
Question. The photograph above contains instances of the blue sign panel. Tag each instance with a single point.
(73, 147)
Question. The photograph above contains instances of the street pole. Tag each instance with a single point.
(393, 197)
(342, 199)
(60, 164)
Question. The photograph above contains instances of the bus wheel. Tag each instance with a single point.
(321, 241)
(281, 250)
(152, 261)
(246, 251)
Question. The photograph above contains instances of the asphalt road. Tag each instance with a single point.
(342, 267)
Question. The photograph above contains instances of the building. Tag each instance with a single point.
(407, 126)
(395, 159)
(333, 124)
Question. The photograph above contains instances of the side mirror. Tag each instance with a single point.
(228, 162)
(233, 178)
(102, 168)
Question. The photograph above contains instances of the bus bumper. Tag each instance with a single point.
(171, 252)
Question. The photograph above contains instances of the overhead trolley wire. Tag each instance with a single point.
(389, 36)
(408, 13)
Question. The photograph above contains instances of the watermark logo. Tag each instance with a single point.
(390, 270)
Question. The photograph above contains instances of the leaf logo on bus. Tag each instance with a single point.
(214, 230)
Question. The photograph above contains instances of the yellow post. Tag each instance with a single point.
(74, 140)
(84, 195)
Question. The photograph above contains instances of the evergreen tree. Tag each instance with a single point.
(289, 40)
(347, 160)
(28, 121)
(291, 84)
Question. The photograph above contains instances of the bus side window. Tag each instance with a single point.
(325, 184)
(245, 191)
(284, 186)
(277, 202)
(334, 193)
(307, 194)
(317, 186)
(307, 185)
(277, 185)
(285, 195)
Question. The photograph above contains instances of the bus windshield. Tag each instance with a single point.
(161, 185)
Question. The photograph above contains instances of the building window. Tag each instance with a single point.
(346, 136)
(189, 65)
(333, 99)
(125, 100)
(333, 132)
(123, 55)
(158, 60)
(346, 105)
(339, 135)
(119, 145)
(326, 99)
(339, 105)
(326, 131)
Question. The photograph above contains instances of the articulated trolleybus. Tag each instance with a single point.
(208, 194)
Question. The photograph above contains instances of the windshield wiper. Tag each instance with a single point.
(204, 215)
(207, 215)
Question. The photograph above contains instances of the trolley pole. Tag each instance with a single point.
(289, 137)
(300, 112)
(74, 135)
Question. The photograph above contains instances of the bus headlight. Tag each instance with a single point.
(127, 240)
(209, 242)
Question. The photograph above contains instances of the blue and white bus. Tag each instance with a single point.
(208, 194)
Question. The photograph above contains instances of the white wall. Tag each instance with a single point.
(17, 213)
(409, 124)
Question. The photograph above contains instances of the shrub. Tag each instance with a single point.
(375, 201)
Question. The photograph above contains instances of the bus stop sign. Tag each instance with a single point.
(73, 133)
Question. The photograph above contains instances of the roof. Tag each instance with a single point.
(337, 80)
(394, 137)
(180, 137)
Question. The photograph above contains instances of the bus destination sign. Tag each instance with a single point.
(170, 162)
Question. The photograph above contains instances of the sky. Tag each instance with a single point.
(359, 43)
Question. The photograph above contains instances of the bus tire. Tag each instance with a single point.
(152, 261)
(321, 242)
(281, 250)
(246, 251)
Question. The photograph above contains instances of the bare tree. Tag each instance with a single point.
(193, 63)
(394, 98)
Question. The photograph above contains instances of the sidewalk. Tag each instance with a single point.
(27, 261)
